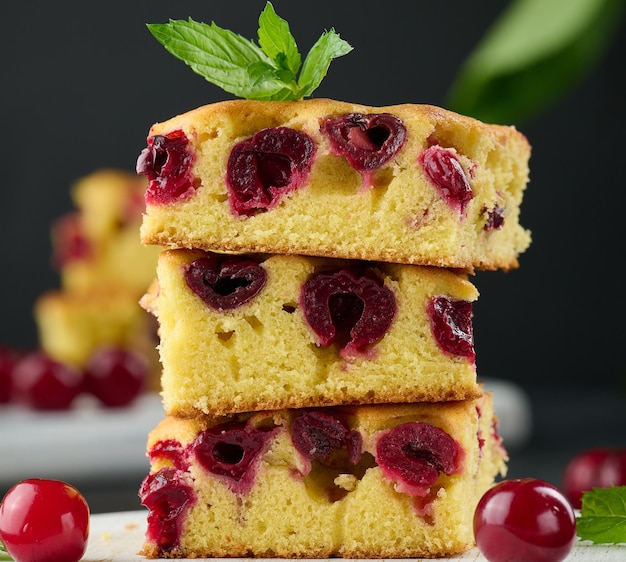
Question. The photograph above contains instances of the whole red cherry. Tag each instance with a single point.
(8, 358)
(600, 467)
(44, 521)
(116, 376)
(43, 383)
(524, 519)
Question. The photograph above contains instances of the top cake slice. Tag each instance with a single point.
(412, 184)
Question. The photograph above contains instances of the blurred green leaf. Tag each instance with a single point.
(532, 54)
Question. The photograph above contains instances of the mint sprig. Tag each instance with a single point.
(603, 516)
(267, 71)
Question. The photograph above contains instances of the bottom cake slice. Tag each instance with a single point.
(393, 481)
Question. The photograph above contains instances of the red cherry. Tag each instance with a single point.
(44, 521)
(352, 308)
(8, 360)
(446, 173)
(116, 376)
(317, 434)
(600, 467)
(413, 454)
(45, 384)
(167, 162)
(225, 282)
(70, 243)
(267, 166)
(168, 496)
(524, 519)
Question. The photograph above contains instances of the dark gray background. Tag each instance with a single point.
(82, 85)
(82, 82)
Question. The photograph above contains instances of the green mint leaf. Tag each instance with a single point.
(531, 56)
(328, 47)
(239, 66)
(277, 42)
(4, 555)
(219, 55)
(268, 84)
(603, 516)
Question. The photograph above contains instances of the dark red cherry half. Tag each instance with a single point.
(167, 163)
(349, 308)
(317, 434)
(264, 168)
(451, 325)
(413, 454)
(168, 497)
(446, 173)
(231, 449)
(366, 140)
(225, 282)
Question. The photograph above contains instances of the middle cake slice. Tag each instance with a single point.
(259, 332)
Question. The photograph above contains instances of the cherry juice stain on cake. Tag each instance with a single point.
(171, 450)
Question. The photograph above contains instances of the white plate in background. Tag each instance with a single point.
(88, 441)
(102, 444)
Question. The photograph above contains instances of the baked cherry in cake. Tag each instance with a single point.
(445, 172)
(368, 141)
(171, 450)
(352, 309)
(225, 282)
(451, 323)
(413, 454)
(495, 218)
(263, 169)
(232, 450)
(168, 497)
(167, 162)
(317, 434)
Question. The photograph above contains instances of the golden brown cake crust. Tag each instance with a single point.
(401, 219)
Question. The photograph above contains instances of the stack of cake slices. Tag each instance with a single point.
(315, 315)
(103, 270)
